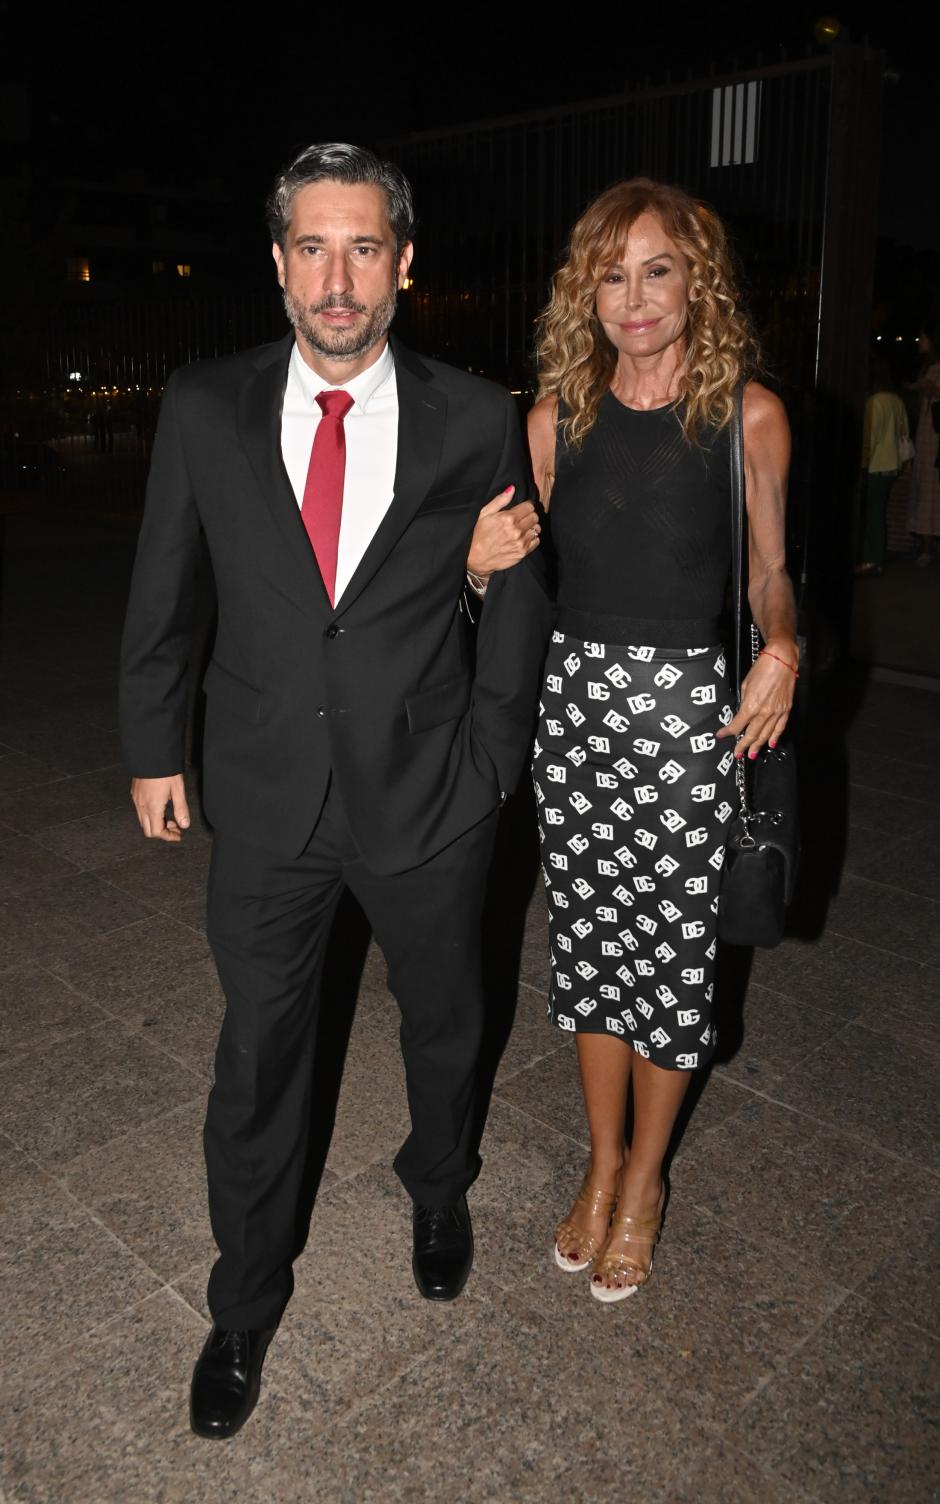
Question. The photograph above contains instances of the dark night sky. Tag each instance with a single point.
(191, 94)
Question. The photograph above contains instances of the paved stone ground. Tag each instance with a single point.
(787, 1347)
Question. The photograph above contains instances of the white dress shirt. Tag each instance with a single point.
(371, 428)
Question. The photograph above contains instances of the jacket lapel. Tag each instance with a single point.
(259, 428)
(422, 415)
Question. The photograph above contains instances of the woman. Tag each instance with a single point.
(885, 443)
(923, 516)
(642, 348)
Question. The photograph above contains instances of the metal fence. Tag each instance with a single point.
(788, 154)
(85, 411)
(496, 203)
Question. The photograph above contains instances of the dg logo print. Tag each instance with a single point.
(635, 796)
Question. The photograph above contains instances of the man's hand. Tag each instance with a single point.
(151, 797)
(503, 535)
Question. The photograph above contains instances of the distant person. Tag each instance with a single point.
(886, 447)
(642, 350)
(923, 513)
(354, 737)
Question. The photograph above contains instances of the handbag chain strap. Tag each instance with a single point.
(738, 591)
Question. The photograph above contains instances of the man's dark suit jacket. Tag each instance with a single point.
(422, 734)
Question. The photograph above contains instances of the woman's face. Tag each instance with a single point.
(643, 298)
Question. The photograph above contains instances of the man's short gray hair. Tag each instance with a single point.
(341, 163)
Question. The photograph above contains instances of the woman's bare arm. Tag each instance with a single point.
(767, 692)
(541, 424)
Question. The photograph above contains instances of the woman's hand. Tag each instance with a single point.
(766, 700)
(503, 535)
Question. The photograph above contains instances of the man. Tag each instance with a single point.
(353, 737)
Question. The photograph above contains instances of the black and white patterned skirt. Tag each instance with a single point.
(635, 795)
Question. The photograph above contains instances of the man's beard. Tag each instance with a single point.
(342, 344)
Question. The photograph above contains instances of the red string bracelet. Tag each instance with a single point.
(765, 653)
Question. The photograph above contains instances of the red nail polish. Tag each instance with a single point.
(752, 756)
(772, 746)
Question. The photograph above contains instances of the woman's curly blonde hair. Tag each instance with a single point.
(577, 360)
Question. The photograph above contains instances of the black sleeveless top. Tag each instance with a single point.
(641, 525)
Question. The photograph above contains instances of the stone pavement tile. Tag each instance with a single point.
(864, 845)
(355, 1324)
(92, 903)
(527, 1407)
(724, 1475)
(24, 865)
(777, 1030)
(20, 771)
(725, 1309)
(33, 1204)
(97, 840)
(870, 735)
(186, 1024)
(127, 1441)
(338, 1259)
(537, 910)
(87, 700)
(36, 1009)
(851, 1416)
(189, 909)
(71, 745)
(372, 1118)
(880, 1087)
(529, 1178)
(149, 1188)
(72, 798)
(532, 1036)
(57, 1288)
(143, 962)
(535, 966)
(373, 1200)
(807, 1193)
(86, 1090)
(49, 921)
(35, 927)
(905, 1282)
(855, 980)
(912, 863)
(550, 1092)
(893, 814)
(902, 922)
(900, 711)
(169, 877)
(894, 776)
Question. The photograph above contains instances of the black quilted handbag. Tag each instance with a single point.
(763, 843)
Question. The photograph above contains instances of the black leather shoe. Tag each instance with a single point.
(443, 1249)
(226, 1381)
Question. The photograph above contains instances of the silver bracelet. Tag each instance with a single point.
(477, 585)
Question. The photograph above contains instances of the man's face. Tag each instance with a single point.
(339, 269)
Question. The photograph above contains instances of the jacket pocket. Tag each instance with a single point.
(433, 707)
(233, 694)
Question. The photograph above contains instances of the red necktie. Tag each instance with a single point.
(323, 493)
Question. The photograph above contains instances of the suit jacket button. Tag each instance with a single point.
(332, 631)
(321, 710)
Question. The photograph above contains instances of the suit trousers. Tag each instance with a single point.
(268, 922)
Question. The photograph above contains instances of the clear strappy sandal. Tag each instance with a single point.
(627, 1232)
(596, 1203)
